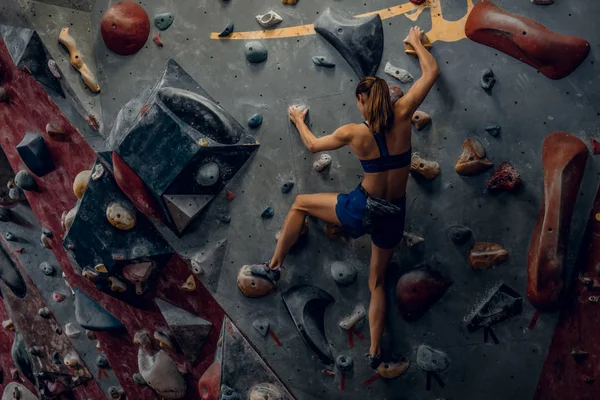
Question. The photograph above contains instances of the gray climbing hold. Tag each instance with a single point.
(25, 181)
(344, 362)
(47, 232)
(268, 213)
(493, 130)
(262, 326)
(115, 393)
(342, 273)
(321, 61)
(161, 373)
(255, 121)
(228, 393)
(15, 193)
(227, 31)
(163, 21)
(53, 69)
(35, 154)
(44, 312)
(269, 19)
(224, 218)
(46, 268)
(431, 360)
(208, 174)
(71, 331)
(459, 234)
(137, 378)
(92, 316)
(358, 40)
(488, 79)
(256, 52)
(401, 74)
(35, 351)
(102, 361)
(3, 95)
(10, 237)
(5, 214)
(16, 391)
(287, 187)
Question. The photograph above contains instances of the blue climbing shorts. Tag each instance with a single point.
(360, 214)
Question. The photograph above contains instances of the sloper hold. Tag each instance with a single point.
(306, 305)
(554, 55)
(161, 373)
(419, 289)
(472, 160)
(499, 304)
(242, 367)
(35, 154)
(564, 157)
(92, 316)
(358, 40)
(189, 331)
(431, 360)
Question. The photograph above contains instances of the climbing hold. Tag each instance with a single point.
(554, 55)
(76, 60)
(499, 304)
(321, 61)
(47, 232)
(417, 2)
(268, 213)
(71, 360)
(35, 351)
(412, 240)
(80, 183)
(53, 69)
(472, 160)
(138, 273)
(505, 178)
(420, 120)
(253, 286)
(164, 341)
(101, 268)
(343, 273)
(287, 187)
(262, 326)
(493, 130)
(115, 393)
(161, 373)
(459, 234)
(224, 218)
(46, 268)
(419, 289)
(116, 285)
(269, 20)
(255, 121)
(228, 30)
(595, 146)
(344, 362)
(125, 27)
(209, 383)
(208, 174)
(229, 195)
(579, 355)
(163, 21)
(25, 181)
(486, 255)
(67, 218)
(3, 95)
(228, 393)
(90, 275)
(322, 163)
(97, 172)
(189, 285)
(256, 52)
(401, 74)
(358, 40)
(9, 236)
(5, 214)
(58, 297)
(44, 312)
(15, 193)
(137, 378)
(488, 79)
(8, 325)
(56, 358)
(410, 50)
(16, 391)
(265, 391)
(542, 2)
(391, 370)
(424, 168)
(396, 93)
(307, 305)
(354, 318)
(289, 2)
(431, 360)
(120, 216)
(92, 316)
(143, 339)
(157, 41)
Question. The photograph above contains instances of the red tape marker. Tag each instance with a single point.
(358, 334)
(533, 320)
(342, 382)
(101, 372)
(275, 338)
(372, 379)
(350, 339)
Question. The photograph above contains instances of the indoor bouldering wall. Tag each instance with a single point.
(149, 156)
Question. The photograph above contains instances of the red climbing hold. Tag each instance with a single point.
(417, 2)
(229, 194)
(595, 146)
(125, 27)
(505, 178)
(210, 382)
(156, 39)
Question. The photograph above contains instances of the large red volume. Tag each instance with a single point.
(554, 55)
(125, 27)
(564, 157)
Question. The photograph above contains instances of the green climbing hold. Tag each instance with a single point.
(256, 52)
(163, 21)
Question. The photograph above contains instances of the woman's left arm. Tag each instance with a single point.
(340, 138)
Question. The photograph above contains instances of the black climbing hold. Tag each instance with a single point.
(92, 316)
(500, 303)
(102, 361)
(262, 326)
(255, 121)
(56, 358)
(208, 174)
(3, 95)
(459, 234)
(306, 305)
(268, 213)
(343, 273)
(21, 357)
(488, 79)
(256, 52)
(47, 232)
(227, 31)
(35, 154)
(287, 187)
(35, 351)
(25, 181)
(46, 268)
(224, 218)
(44, 312)
(359, 40)
(10, 275)
(5, 214)
(493, 130)
(321, 61)
(344, 362)
(431, 360)
(163, 21)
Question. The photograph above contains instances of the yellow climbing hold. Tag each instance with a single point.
(190, 284)
(101, 268)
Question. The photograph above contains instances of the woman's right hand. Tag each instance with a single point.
(297, 114)
(415, 36)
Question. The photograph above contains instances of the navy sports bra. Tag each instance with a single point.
(385, 162)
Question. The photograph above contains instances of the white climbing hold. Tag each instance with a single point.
(97, 172)
(323, 162)
(352, 319)
(71, 331)
(269, 19)
(401, 74)
(53, 69)
(412, 240)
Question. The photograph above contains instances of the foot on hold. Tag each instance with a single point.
(322, 163)
(351, 320)
(269, 19)
(401, 74)
(420, 120)
(254, 281)
(424, 168)
(266, 272)
(394, 369)
(488, 79)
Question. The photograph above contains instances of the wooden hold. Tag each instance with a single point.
(76, 60)
(486, 255)
(80, 183)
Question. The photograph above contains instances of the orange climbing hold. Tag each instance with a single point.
(486, 255)
(210, 382)
(253, 286)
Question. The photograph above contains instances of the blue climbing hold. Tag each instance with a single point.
(92, 316)
(287, 187)
(227, 31)
(321, 61)
(255, 121)
(256, 52)
(493, 130)
(268, 213)
(163, 21)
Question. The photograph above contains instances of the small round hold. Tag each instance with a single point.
(46, 268)
(16, 194)
(321, 61)
(45, 241)
(5, 214)
(342, 273)
(80, 183)
(227, 31)
(256, 52)
(25, 181)
(224, 218)
(71, 360)
(3, 95)
(115, 393)
(120, 216)
(91, 335)
(56, 132)
(344, 362)
(9, 236)
(488, 79)
(53, 69)
(102, 361)
(44, 312)
(208, 174)
(255, 121)
(287, 187)
(268, 213)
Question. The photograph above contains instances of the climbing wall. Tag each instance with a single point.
(145, 151)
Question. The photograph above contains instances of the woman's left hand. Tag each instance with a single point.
(297, 113)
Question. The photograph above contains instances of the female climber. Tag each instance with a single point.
(377, 206)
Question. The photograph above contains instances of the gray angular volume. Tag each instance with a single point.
(358, 40)
(92, 316)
